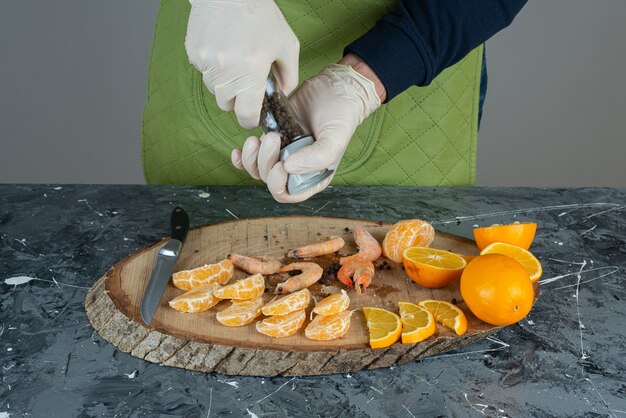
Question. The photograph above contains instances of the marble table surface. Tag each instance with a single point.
(567, 358)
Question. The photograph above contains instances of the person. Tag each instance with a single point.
(392, 90)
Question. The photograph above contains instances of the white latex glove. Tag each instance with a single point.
(332, 105)
(233, 43)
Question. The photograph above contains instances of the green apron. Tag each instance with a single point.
(426, 136)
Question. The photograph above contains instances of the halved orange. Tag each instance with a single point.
(249, 288)
(384, 326)
(446, 314)
(279, 326)
(209, 273)
(240, 312)
(292, 302)
(198, 299)
(522, 256)
(432, 268)
(404, 234)
(417, 323)
(518, 233)
(332, 304)
(328, 327)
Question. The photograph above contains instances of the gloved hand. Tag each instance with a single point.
(233, 43)
(332, 105)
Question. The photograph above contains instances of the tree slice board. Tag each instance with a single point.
(198, 342)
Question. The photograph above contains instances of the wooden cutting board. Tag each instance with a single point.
(199, 342)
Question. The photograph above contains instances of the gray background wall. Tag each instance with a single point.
(73, 81)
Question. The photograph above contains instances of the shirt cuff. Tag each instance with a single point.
(396, 59)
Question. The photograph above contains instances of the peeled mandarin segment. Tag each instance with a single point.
(417, 323)
(292, 302)
(249, 288)
(240, 312)
(404, 234)
(447, 315)
(196, 300)
(332, 304)
(328, 327)
(384, 327)
(530, 263)
(279, 326)
(432, 268)
(497, 289)
(520, 234)
(220, 273)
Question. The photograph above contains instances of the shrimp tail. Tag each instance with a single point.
(362, 273)
(343, 275)
(363, 276)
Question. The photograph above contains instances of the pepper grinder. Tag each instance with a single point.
(277, 115)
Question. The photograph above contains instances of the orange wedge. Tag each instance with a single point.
(417, 323)
(432, 268)
(447, 315)
(209, 273)
(384, 326)
(198, 299)
(328, 327)
(332, 304)
(279, 326)
(240, 312)
(250, 288)
(520, 234)
(404, 234)
(293, 302)
(522, 256)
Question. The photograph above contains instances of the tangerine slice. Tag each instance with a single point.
(209, 273)
(240, 312)
(518, 233)
(332, 304)
(522, 256)
(292, 302)
(432, 268)
(196, 300)
(249, 288)
(417, 323)
(446, 314)
(384, 326)
(279, 326)
(328, 327)
(404, 234)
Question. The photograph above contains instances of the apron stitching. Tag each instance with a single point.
(205, 116)
(416, 140)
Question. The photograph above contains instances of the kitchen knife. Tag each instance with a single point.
(164, 265)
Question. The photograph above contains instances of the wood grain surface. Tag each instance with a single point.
(199, 342)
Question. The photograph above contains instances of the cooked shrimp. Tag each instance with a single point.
(252, 265)
(311, 273)
(362, 271)
(369, 248)
(333, 245)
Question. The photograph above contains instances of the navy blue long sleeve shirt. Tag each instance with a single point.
(421, 38)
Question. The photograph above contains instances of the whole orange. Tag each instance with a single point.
(497, 289)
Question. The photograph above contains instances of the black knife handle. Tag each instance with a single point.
(179, 224)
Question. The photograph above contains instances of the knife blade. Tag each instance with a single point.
(164, 264)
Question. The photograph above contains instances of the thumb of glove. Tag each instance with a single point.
(324, 153)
